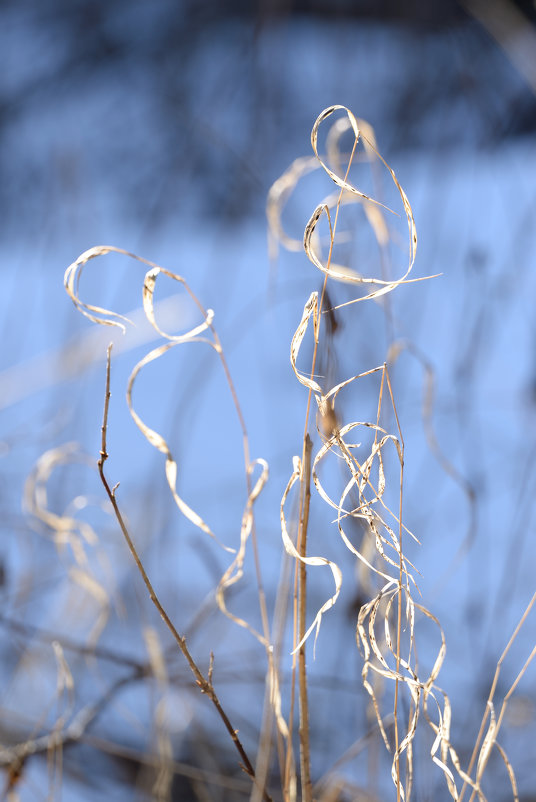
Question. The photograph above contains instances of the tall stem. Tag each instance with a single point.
(305, 756)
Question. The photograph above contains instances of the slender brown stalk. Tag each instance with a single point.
(305, 488)
(305, 755)
(204, 683)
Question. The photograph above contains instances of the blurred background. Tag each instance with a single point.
(159, 127)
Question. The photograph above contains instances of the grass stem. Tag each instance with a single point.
(205, 684)
(305, 756)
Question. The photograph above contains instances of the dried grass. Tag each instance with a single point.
(403, 696)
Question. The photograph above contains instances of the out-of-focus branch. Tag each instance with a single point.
(511, 30)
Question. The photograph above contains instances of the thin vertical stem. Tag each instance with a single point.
(400, 577)
(398, 637)
(305, 494)
(305, 756)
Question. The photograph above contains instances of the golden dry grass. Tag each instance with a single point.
(403, 697)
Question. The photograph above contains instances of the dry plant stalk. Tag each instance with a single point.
(386, 623)
(204, 683)
(394, 604)
(210, 338)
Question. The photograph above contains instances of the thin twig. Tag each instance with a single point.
(47, 636)
(204, 684)
(305, 755)
(14, 756)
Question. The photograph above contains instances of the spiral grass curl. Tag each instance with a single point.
(387, 622)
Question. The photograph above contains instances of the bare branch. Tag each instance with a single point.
(205, 684)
